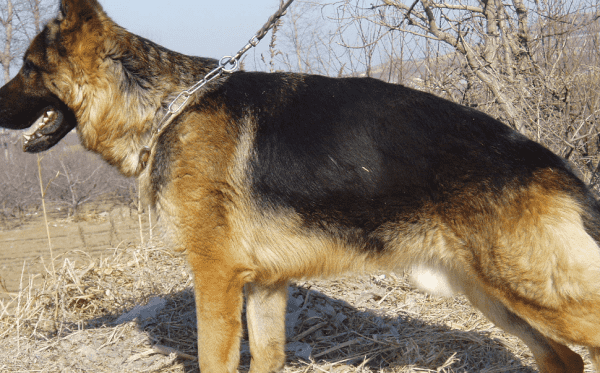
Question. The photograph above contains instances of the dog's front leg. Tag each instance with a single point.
(219, 299)
(265, 313)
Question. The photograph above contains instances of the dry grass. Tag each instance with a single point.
(87, 317)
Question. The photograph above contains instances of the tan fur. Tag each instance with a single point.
(265, 312)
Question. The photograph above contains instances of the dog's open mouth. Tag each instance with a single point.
(42, 126)
(46, 131)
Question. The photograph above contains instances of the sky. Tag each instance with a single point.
(196, 27)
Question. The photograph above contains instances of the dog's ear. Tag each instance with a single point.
(73, 13)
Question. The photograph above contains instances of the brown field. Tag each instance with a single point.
(25, 247)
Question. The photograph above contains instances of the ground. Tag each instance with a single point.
(91, 231)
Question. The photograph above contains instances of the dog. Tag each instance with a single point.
(269, 177)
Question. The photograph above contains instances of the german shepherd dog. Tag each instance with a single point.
(265, 178)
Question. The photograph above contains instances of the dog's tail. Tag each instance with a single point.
(554, 258)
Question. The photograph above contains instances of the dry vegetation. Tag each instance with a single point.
(133, 311)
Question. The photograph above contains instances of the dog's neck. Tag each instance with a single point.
(150, 67)
(142, 79)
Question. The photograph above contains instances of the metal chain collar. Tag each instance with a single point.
(182, 98)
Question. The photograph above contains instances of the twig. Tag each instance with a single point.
(18, 313)
(168, 350)
(150, 223)
(309, 331)
(43, 191)
(139, 206)
(335, 348)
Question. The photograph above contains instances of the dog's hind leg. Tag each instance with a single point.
(551, 356)
(265, 313)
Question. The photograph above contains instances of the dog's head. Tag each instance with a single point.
(37, 96)
(85, 71)
(26, 102)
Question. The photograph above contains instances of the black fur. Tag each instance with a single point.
(352, 154)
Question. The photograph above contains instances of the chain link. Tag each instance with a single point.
(182, 98)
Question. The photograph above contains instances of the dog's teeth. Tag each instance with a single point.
(42, 121)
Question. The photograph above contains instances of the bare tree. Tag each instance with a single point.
(7, 55)
(34, 7)
(305, 43)
(31, 15)
(492, 37)
(20, 21)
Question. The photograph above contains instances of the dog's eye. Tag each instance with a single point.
(28, 66)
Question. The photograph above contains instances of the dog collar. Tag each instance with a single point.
(180, 102)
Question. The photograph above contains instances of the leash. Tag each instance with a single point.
(182, 98)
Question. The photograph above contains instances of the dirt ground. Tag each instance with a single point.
(24, 249)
